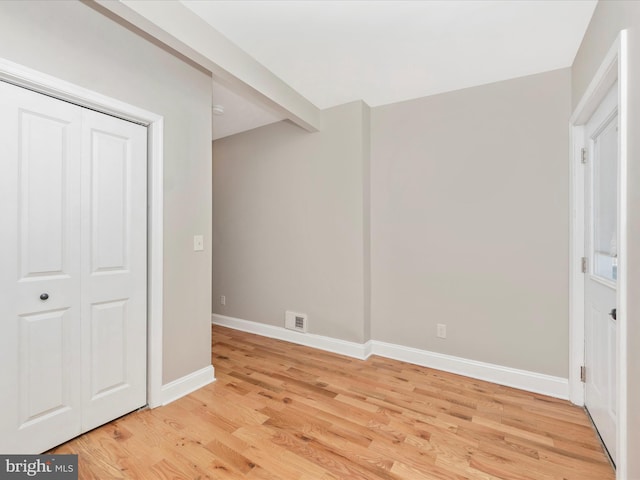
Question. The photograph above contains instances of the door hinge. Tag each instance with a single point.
(583, 264)
(583, 156)
(583, 374)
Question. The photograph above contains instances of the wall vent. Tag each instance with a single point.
(295, 321)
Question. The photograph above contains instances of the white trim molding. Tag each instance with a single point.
(511, 377)
(576, 277)
(183, 386)
(612, 69)
(42, 83)
(343, 347)
(525, 380)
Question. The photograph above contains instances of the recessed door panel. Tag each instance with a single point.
(108, 350)
(43, 197)
(45, 381)
(110, 199)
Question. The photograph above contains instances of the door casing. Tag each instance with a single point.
(613, 68)
(42, 83)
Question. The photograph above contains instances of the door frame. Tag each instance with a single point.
(34, 80)
(613, 68)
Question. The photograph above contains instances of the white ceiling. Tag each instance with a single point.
(333, 52)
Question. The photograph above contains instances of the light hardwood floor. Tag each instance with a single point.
(283, 411)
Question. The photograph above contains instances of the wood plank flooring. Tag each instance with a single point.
(283, 411)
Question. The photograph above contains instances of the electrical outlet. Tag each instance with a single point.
(442, 330)
(223, 300)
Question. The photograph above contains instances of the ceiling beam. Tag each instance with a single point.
(179, 28)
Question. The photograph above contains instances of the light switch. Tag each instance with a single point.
(198, 243)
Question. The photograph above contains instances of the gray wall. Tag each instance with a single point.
(609, 18)
(289, 226)
(460, 217)
(469, 222)
(71, 41)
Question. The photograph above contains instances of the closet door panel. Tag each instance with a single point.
(39, 271)
(72, 270)
(114, 268)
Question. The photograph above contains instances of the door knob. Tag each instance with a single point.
(614, 313)
(44, 296)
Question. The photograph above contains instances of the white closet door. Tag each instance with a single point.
(39, 245)
(114, 202)
(72, 270)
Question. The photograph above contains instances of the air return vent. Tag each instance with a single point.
(295, 321)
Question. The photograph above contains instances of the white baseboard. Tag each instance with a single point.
(511, 377)
(523, 379)
(189, 383)
(343, 347)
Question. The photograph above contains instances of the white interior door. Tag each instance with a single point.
(39, 271)
(113, 278)
(601, 240)
(72, 270)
